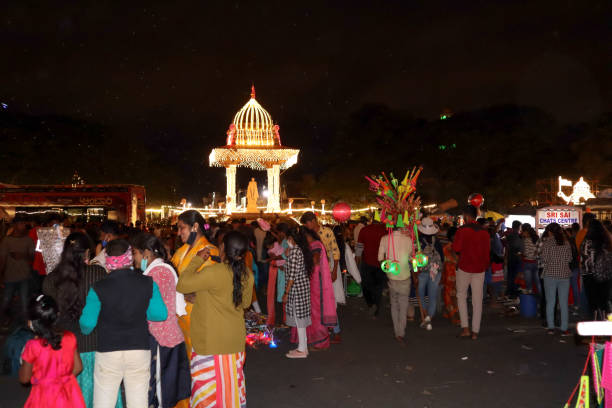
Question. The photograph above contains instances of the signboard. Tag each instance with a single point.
(565, 216)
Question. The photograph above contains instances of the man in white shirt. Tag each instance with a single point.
(400, 251)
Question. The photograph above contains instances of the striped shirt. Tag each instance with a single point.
(530, 250)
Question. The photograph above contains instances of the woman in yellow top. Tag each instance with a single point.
(222, 292)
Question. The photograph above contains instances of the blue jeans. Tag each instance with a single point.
(530, 270)
(574, 284)
(429, 286)
(554, 287)
(513, 269)
(10, 288)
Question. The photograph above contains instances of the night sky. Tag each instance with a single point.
(181, 72)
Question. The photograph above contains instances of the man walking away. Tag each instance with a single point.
(373, 279)
(515, 250)
(472, 243)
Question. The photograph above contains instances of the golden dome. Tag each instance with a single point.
(253, 126)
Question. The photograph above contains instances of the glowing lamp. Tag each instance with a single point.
(421, 260)
(392, 267)
(341, 212)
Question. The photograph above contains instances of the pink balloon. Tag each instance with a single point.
(341, 212)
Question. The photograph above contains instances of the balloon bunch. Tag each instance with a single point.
(399, 208)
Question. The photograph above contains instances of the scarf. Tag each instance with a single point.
(183, 256)
(181, 305)
(122, 261)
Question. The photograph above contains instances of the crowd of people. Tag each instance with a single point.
(146, 316)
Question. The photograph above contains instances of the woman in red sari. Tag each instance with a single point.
(322, 300)
(451, 312)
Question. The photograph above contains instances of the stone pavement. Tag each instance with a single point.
(524, 367)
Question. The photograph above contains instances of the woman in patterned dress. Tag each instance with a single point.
(222, 292)
(170, 374)
(297, 292)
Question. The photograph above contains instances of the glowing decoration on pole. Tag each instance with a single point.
(399, 209)
(253, 140)
(341, 212)
(581, 191)
(476, 199)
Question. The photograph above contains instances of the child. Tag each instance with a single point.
(297, 292)
(50, 360)
(276, 278)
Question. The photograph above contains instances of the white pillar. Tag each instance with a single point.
(274, 188)
(230, 175)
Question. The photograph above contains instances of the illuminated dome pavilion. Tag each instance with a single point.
(253, 141)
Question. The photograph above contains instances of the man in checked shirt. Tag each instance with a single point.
(309, 220)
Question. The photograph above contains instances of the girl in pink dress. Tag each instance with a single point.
(50, 361)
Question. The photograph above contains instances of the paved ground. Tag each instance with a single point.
(503, 368)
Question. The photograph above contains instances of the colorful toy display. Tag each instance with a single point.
(399, 208)
(258, 332)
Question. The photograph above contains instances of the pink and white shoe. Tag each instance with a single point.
(296, 354)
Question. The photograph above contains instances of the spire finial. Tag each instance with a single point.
(252, 91)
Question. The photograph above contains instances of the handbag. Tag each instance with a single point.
(602, 267)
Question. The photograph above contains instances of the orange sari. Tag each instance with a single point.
(181, 259)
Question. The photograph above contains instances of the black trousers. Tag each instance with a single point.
(598, 295)
(373, 281)
(175, 374)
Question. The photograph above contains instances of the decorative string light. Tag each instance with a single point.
(254, 158)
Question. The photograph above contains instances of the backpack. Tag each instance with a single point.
(433, 256)
(11, 353)
(602, 267)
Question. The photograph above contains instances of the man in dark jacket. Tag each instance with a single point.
(515, 250)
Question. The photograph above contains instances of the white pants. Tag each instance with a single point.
(399, 295)
(302, 340)
(464, 280)
(131, 366)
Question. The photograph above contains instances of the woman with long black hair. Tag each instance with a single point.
(297, 292)
(69, 284)
(595, 267)
(222, 292)
(170, 375)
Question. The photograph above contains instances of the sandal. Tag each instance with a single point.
(296, 354)
(464, 335)
(474, 336)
